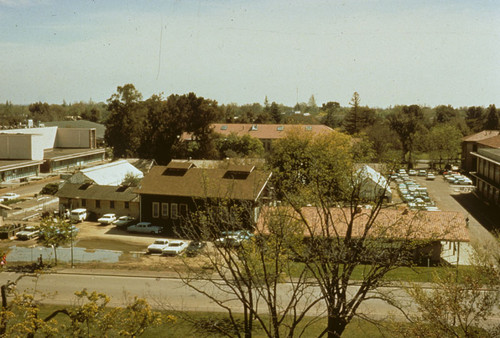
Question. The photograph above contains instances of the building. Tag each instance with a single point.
(373, 185)
(168, 194)
(113, 173)
(431, 232)
(99, 199)
(487, 175)
(266, 133)
(27, 152)
(484, 139)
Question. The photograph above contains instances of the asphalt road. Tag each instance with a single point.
(165, 293)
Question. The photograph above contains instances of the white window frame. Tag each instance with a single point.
(155, 212)
(174, 211)
(164, 210)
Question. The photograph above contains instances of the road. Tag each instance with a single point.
(161, 292)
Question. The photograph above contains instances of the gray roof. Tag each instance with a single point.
(97, 192)
(99, 128)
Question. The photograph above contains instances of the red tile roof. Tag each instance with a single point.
(264, 131)
(481, 135)
(390, 223)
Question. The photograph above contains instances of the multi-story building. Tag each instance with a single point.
(26, 152)
(484, 139)
(487, 175)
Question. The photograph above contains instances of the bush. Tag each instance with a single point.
(50, 189)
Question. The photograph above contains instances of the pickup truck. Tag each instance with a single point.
(144, 227)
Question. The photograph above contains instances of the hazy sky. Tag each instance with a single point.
(389, 51)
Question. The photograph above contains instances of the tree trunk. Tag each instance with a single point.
(336, 326)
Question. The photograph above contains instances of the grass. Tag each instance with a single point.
(184, 327)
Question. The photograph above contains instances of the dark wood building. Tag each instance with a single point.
(169, 194)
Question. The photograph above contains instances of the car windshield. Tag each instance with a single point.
(175, 244)
(159, 242)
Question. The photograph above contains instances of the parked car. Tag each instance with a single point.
(28, 233)
(175, 248)
(78, 215)
(144, 227)
(107, 219)
(194, 248)
(430, 177)
(412, 172)
(422, 172)
(124, 221)
(233, 238)
(157, 246)
(9, 196)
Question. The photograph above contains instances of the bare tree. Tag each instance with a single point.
(247, 272)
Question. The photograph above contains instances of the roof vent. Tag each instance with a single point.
(254, 127)
(224, 127)
(238, 172)
(175, 168)
(280, 128)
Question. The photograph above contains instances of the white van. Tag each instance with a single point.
(78, 215)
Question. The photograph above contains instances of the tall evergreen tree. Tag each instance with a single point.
(492, 121)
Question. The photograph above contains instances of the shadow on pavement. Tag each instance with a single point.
(484, 214)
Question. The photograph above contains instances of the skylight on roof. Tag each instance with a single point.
(281, 128)
(224, 127)
(254, 127)
(309, 128)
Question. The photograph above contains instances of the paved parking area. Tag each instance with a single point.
(450, 197)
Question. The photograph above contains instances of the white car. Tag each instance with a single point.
(175, 248)
(430, 177)
(124, 221)
(107, 219)
(8, 196)
(28, 233)
(144, 227)
(158, 246)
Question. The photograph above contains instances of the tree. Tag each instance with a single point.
(459, 304)
(331, 119)
(168, 119)
(236, 146)
(50, 189)
(275, 112)
(124, 125)
(444, 142)
(445, 114)
(251, 273)
(131, 180)
(55, 232)
(312, 107)
(351, 120)
(475, 118)
(90, 317)
(40, 111)
(406, 122)
(492, 120)
(300, 157)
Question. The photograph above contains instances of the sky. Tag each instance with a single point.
(389, 51)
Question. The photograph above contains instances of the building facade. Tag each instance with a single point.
(487, 176)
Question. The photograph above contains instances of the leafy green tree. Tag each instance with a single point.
(331, 111)
(56, 232)
(131, 180)
(384, 141)
(492, 120)
(275, 112)
(302, 161)
(445, 114)
(236, 146)
(125, 123)
(362, 149)
(475, 118)
(168, 119)
(444, 142)
(406, 121)
(40, 111)
(50, 189)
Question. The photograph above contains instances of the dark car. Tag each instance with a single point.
(194, 248)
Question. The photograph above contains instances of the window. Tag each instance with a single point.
(127, 205)
(97, 203)
(156, 209)
(164, 210)
(183, 208)
(112, 204)
(84, 202)
(173, 210)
